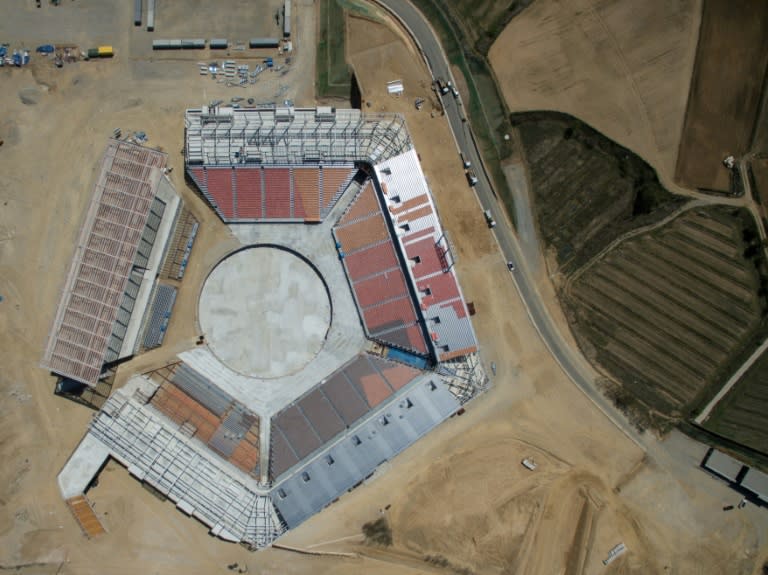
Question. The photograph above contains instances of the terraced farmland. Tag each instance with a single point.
(665, 311)
(587, 190)
(742, 415)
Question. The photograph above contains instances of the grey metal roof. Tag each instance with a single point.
(722, 464)
(201, 389)
(757, 482)
(389, 430)
(159, 316)
(421, 238)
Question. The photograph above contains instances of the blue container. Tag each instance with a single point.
(408, 358)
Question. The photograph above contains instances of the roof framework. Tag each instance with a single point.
(104, 257)
(227, 136)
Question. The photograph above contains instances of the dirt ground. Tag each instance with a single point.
(460, 493)
(622, 67)
(726, 91)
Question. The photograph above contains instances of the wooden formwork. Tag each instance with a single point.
(85, 516)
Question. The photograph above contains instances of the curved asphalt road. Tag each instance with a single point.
(572, 363)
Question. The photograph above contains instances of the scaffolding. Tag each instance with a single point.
(110, 238)
(464, 376)
(291, 136)
(214, 492)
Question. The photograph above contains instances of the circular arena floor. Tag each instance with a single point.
(265, 312)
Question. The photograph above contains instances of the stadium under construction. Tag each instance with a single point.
(335, 337)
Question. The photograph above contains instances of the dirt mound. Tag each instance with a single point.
(29, 96)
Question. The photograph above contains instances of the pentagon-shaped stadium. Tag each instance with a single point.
(332, 339)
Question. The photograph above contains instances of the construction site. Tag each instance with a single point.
(280, 407)
(245, 329)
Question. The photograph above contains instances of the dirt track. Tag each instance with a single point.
(473, 459)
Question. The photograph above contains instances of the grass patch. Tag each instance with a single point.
(333, 76)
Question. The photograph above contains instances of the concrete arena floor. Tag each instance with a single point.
(265, 312)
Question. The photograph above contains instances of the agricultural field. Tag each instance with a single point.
(726, 91)
(481, 22)
(333, 75)
(601, 192)
(665, 311)
(758, 170)
(622, 66)
(742, 415)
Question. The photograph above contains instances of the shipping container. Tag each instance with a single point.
(193, 44)
(219, 44)
(287, 19)
(150, 15)
(105, 51)
(263, 43)
(137, 12)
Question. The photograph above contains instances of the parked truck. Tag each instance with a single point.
(442, 86)
(489, 219)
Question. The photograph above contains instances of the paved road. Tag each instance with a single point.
(572, 363)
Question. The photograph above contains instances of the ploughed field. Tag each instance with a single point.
(665, 311)
(587, 190)
(726, 90)
(742, 415)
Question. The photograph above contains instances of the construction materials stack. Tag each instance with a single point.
(150, 15)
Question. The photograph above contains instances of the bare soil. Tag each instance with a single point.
(622, 67)
(726, 91)
(466, 475)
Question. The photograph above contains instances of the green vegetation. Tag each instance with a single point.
(669, 313)
(443, 562)
(333, 74)
(378, 532)
(587, 190)
(482, 22)
(742, 415)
